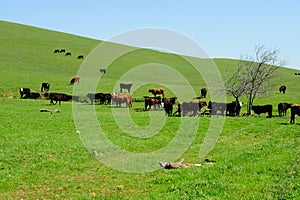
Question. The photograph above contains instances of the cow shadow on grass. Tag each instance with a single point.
(288, 123)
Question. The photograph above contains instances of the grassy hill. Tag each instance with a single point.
(42, 156)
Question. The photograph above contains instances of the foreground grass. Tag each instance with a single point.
(43, 157)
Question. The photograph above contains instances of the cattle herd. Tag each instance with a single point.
(159, 101)
(67, 53)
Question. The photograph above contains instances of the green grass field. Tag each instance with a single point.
(42, 156)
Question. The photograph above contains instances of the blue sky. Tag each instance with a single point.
(226, 29)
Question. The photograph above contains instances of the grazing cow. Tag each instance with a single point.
(233, 108)
(68, 54)
(295, 110)
(150, 101)
(203, 92)
(56, 51)
(45, 87)
(119, 98)
(62, 51)
(282, 89)
(161, 91)
(263, 109)
(102, 71)
(75, 80)
(215, 107)
(282, 108)
(298, 73)
(24, 91)
(125, 86)
(191, 108)
(80, 57)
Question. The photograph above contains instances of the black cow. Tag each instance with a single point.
(216, 108)
(62, 51)
(282, 108)
(203, 92)
(168, 107)
(263, 109)
(125, 86)
(58, 97)
(56, 51)
(102, 70)
(33, 95)
(191, 108)
(233, 108)
(24, 91)
(68, 54)
(80, 57)
(295, 110)
(98, 96)
(282, 89)
(45, 87)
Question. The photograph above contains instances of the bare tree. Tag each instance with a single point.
(253, 74)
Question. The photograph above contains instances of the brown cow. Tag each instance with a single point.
(150, 101)
(295, 110)
(155, 91)
(75, 80)
(282, 89)
(119, 98)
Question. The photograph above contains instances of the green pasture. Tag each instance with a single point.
(43, 157)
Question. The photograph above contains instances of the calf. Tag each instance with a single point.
(24, 91)
(295, 110)
(263, 109)
(282, 108)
